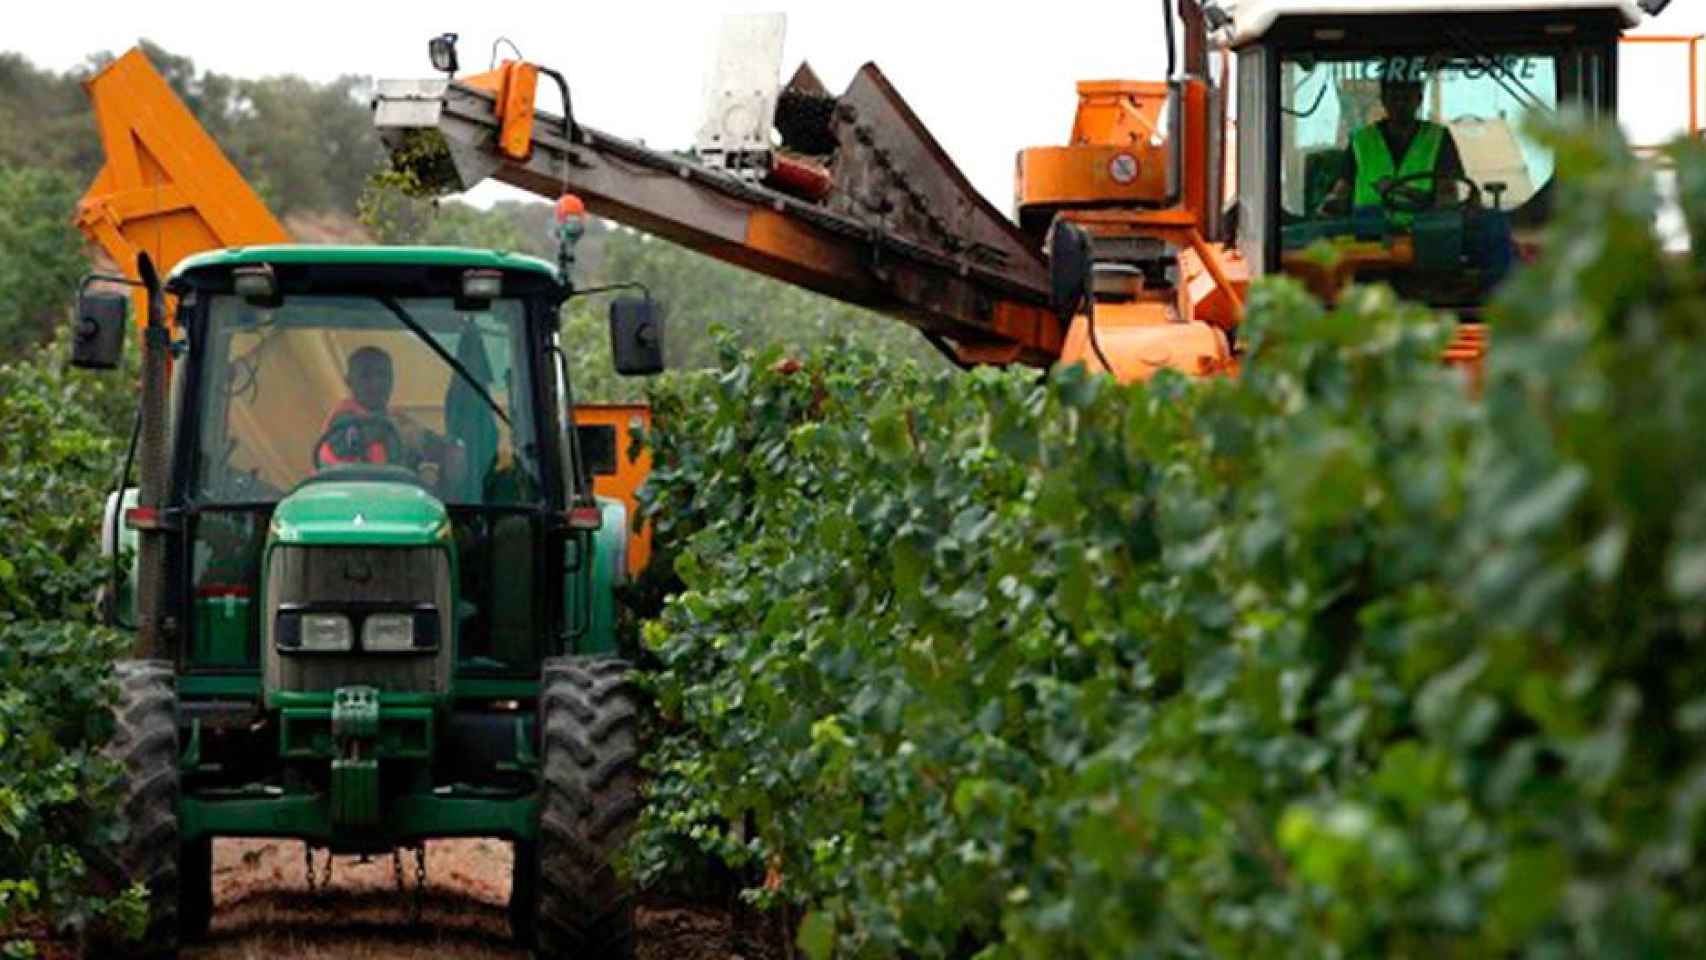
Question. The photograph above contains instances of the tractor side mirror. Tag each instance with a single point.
(1070, 265)
(636, 336)
(98, 340)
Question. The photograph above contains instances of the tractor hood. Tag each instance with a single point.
(364, 512)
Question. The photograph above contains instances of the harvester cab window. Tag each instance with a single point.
(321, 382)
(1416, 165)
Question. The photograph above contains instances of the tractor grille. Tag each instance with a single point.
(357, 579)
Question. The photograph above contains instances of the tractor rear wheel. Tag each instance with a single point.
(591, 762)
(145, 745)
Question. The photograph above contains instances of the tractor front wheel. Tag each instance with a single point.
(145, 745)
(591, 762)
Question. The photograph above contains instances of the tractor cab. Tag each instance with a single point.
(397, 404)
(1390, 142)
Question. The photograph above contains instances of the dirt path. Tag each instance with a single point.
(263, 911)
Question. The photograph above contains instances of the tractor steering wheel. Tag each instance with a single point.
(351, 434)
(1402, 195)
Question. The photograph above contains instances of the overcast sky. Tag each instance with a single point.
(987, 79)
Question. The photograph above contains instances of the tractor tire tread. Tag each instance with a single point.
(145, 746)
(591, 800)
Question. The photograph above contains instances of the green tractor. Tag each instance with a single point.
(372, 589)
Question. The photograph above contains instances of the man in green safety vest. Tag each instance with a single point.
(1400, 147)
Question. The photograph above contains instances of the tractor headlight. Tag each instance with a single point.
(400, 632)
(442, 51)
(482, 284)
(388, 632)
(395, 631)
(326, 631)
(313, 632)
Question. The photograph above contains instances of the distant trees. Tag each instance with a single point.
(43, 254)
(304, 146)
(701, 295)
(45, 121)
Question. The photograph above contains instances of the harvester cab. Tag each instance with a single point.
(1393, 141)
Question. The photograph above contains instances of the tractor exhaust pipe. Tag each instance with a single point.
(147, 518)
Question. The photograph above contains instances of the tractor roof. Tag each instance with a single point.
(1252, 19)
(365, 256)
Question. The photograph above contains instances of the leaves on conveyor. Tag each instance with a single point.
(421, 167)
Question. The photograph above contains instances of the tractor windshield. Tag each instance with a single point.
(1416, 165)
(321, 382)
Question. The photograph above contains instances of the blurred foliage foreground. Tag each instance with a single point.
(1333, 659)
(60, 451)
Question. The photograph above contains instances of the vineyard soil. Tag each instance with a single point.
(263, 911)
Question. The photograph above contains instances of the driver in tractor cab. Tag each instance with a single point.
(1401, 149)
(363, 428)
